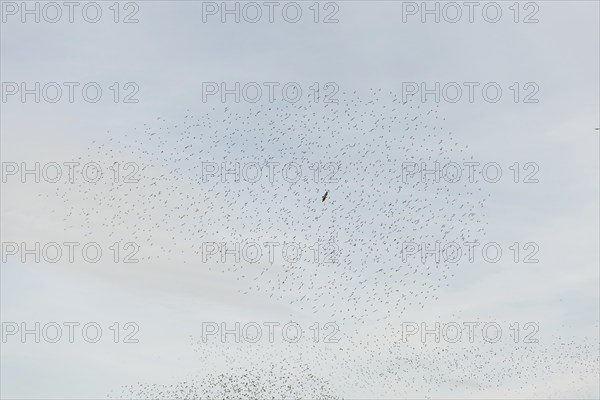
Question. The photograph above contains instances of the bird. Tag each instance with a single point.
(325, 196)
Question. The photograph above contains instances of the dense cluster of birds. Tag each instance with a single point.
(378, 362)
(352, 151)
(276, 382)
(351, 202)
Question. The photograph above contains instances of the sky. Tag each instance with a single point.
(169, 129)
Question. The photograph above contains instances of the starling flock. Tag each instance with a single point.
(357, 147)
(179, 187)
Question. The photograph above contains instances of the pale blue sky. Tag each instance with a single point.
(169, 53)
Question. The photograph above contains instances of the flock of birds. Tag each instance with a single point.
(350, 198)
(275, 382)
(375, 363)
(366, 213)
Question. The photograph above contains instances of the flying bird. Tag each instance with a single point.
(325, 196)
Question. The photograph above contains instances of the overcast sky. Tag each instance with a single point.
(168, 55)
